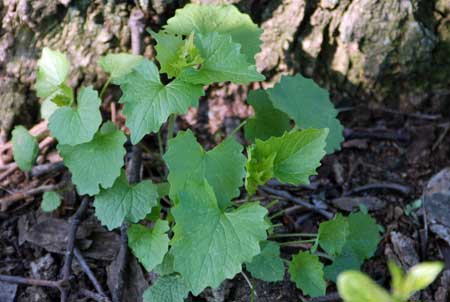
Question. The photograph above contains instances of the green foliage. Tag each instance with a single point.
(95, 163)
(76, 125)
(125, 202)
(149, 246)
(222, 19)
(309, 106)
(210, 245)
(120, 64)
(50, 201)
(267, 121)
(198, 236)
(51, 77)
(307, 272)
(291, 158)
(187, 161)
(360, 244)
(355, 286)
(268, 265)
(25, 148)
(171, 288)
(223, 62)
(333, 235)
(148, 102)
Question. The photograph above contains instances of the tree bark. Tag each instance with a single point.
(390, 52)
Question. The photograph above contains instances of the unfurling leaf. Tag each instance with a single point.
(148, 102)
(210, 244)
(268, 121)
(51, 77)
(119, 64)
(291, 158)
(268, 265)
(223, 19)
(77, 125)
(222, 62)
(50, 201)
(419, 277)
(355, 286)
(149, 245)
(223, 167)
(96, 163)
(25, 148)
(309, 106)
(307, 272)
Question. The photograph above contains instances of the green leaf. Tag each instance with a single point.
(148, 103)
(222, 62)
(77, 125)
(210, 245)
(333, 235)
(355, 286)
(307, 272)
(149, 246)
(170, 288)
(268, 265)
(419, 277)
(267, 121)
(166, 266)
(47, 109)
(119, 64)
(291, 158)
(309, 106)
(96, 163)
(361, 244)
(223, 167)
(397, 278)
(51, 77)
(224, 19)
(25, 148)
(175, 54)
(125, 202)
(50, 201)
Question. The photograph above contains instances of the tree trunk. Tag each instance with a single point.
(395, 52)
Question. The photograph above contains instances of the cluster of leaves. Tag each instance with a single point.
(203, 238)
(355, 286)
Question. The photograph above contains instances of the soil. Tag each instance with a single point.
(395, 152)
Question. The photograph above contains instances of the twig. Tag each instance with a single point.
(375, 133)
(446, 127)
(252, 288)
(74, 223)
(289, 197)
(88, 272)
(381, 186)
(5, 201)
(40, 170)
(94, 296)
(327, 298)
(32, 282)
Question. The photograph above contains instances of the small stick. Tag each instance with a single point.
(381, 186)
(88, 272)
(32, 282)
(94, 296)
(40, 170)
(5, 201)
(74, 223)
(287, 196)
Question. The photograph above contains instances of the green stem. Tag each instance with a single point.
(104, 87)
(276, 225)
(295, 242)
(170, 127)
(272, 203)
(235, 130)
(323, 255)
(160, 145)
(293, 235)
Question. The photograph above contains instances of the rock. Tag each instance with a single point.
(7, 292)
(352, 203)
(44, 268)
(436, 201)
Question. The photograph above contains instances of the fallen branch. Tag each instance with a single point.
(6, 201)
(287, 196)
(405, 190)
(87, 270)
